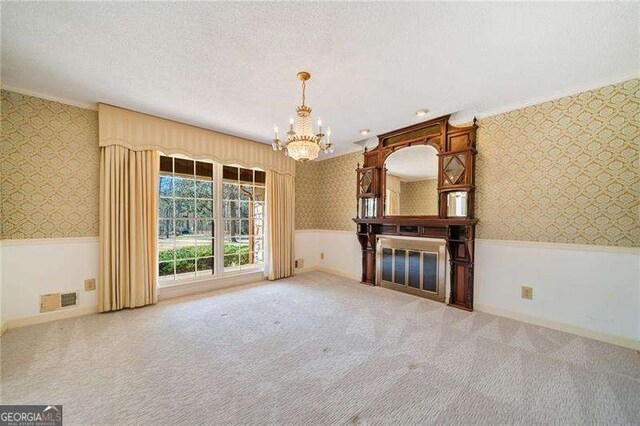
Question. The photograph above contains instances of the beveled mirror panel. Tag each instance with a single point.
(411, 186)
(457, 204)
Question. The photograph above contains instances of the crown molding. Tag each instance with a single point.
(85, 105)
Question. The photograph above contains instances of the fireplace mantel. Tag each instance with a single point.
(458, 232)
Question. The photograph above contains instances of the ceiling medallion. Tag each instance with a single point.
(301, 143)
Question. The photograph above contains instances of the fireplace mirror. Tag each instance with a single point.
(411, 182)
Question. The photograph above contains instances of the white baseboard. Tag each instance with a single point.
(602, 336)
(337, 272)
(49, 316)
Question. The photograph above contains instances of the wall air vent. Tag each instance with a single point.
(54, 301)
(69, 299)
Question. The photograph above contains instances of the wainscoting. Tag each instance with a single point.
(592, 291)
(32, 267)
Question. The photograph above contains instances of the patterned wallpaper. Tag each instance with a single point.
(326, 193)
(419, 197)
(565, 171)
(50, 169)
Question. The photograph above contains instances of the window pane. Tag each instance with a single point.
(231, 261)
(229, 191)
(183, 166)
(260, 177)
(204, 248)
(204, 228)
(258, 227)
(230, 209)
(243, 209)
(259, 193)
(204, 189)
(187, 266)
(231, 228)
(258, 210)
(165, 240)
(204, 208)
(244, 227)
(185, 208)
(166, 186)
(184, 188)
(165, 269)
(246, 175)
(185, 239)
(230, 172)
(205, 266)
(258, 244)
(204, 170)
(244, 258)
(165, 208)
(246, 192)
(166, 164)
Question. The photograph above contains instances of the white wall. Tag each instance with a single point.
(588, 290)
(597, 288)
(341, 250)
(34, 267)
(30, 268)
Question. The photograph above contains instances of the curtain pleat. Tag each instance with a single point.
(280, 222)
(128, 216)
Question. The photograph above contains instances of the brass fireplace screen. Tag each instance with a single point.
(415, 266)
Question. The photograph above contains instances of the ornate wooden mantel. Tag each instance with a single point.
(456, 150)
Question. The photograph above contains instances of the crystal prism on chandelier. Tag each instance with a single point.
(301, 143)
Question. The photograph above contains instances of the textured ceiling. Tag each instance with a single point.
(231, 67)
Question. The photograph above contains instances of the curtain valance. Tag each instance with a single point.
(139, 132)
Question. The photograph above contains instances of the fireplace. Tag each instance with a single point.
(412, 265)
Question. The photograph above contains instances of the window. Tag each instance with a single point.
(243, 199)
(186, 221)
(195, 197)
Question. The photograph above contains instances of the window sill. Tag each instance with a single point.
(203, 284)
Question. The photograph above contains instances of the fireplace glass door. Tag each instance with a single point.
(413, 266)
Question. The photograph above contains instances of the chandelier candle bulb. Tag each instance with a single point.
(301, 143)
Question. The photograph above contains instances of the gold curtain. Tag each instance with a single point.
(128, 218)
(143, 132)
(280, 223)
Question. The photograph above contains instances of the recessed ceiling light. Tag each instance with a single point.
(422, 112)
(364, 131)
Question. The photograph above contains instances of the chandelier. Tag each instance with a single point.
(301, 143)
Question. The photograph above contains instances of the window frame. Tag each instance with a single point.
(217, 235)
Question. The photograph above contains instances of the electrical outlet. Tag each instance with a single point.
(526, 292)
(90, 284)
(321, 256)
(299, 263)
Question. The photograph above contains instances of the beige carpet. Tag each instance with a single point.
(316, 349)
